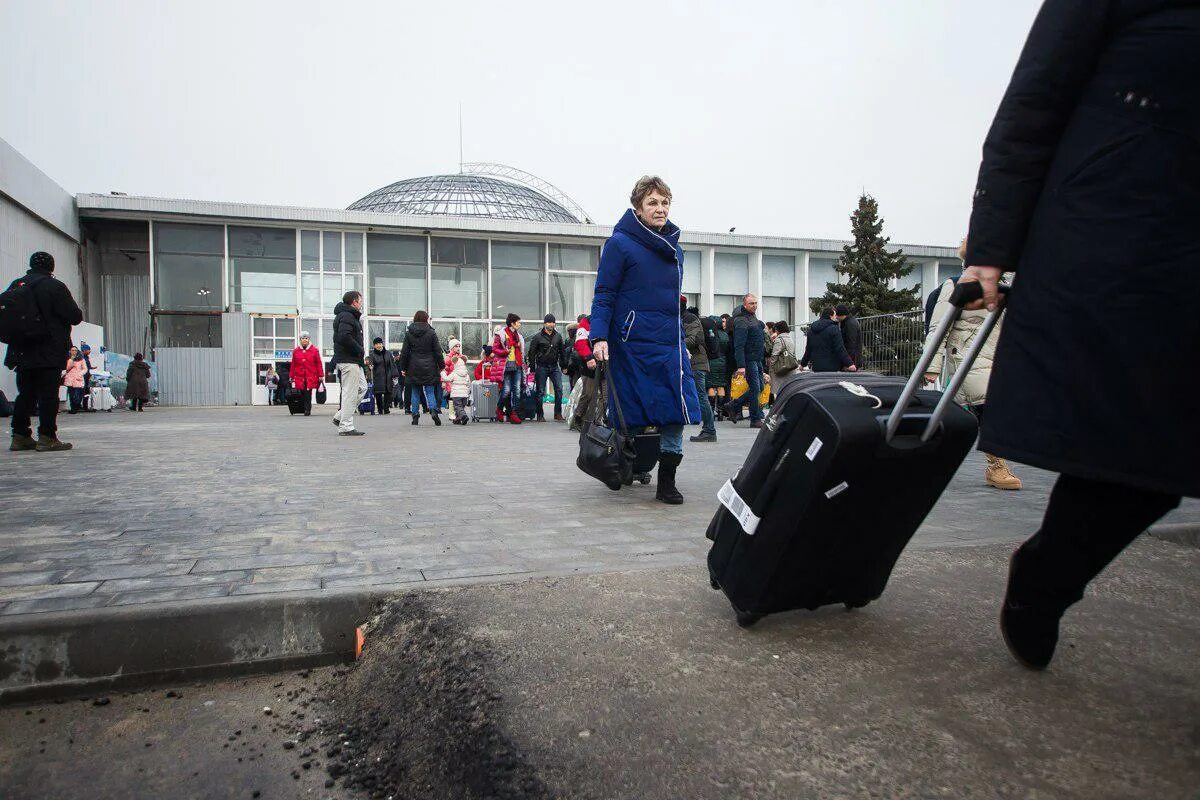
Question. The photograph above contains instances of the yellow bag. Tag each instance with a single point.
(740, 386)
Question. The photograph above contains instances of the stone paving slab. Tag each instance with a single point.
(191, 504)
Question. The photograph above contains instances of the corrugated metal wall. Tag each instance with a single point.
(190, 376)
(125, 318)
(235, 341)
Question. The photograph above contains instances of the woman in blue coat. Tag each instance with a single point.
(637, 328)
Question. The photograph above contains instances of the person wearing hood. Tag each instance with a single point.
(348, 355)
(39, 356)
(749, 348)
(824, 349)
(695, 337)
(421, 363)
(637, 327)
(460, 386)
(307, 373)
(508, 345)
(137, 380)
(383, 375)
(74, 378)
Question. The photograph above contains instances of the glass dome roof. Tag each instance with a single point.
(501, 195)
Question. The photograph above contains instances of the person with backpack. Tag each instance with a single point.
(695, 337)
(37, 313)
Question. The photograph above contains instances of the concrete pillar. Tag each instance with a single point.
(708, 261)
(755, 277)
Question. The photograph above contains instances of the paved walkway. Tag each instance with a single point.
(188, 504)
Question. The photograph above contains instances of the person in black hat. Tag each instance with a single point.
(383, 375)
(38, 355)
(547, 358)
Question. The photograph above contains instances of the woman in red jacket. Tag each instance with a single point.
(307, 372)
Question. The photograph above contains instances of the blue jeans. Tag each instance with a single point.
(414, 406)
(754, 377)
(554, 373)
(510, 390)
(708, 424)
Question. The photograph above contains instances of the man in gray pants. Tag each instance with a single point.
(348, 354)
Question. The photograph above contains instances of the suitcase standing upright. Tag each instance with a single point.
(845, 470)
(367, 404)
(101, 398)
(484, 395)
(531, 401)
(295, 401)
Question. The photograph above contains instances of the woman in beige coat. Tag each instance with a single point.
(973, 393)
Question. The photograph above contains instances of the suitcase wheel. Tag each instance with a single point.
(745, 620)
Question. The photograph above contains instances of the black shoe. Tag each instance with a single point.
(704, 436)
(668, 464)
(1031, 635)
(308, 413)
(352, 432)
(437, 420)
(416, 419)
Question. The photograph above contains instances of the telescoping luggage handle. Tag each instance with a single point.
(964, 293)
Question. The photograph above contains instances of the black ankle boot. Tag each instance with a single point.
(668, 463)
(1030, 633)
(416, 419)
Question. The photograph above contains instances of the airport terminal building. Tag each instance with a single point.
(217, 292)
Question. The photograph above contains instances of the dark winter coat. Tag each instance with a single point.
(348, 335)
(693, 338)
(1090, 191)
(718, 367)
(60, 311)
(749, 338)
(852, 339)
(383, 369)
(421, 360)
(824, 349)
(636, 310)
(137, 379)
(546, 350)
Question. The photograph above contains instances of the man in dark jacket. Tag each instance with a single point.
(851, 335)
(1090, 190)
(39, 362)
(694, 335)
(383, 371)
(824, 348)
(348, 355)
(749, 340)
(548, 355)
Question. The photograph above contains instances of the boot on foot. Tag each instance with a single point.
(704, 436)
(1030, 633)
(998, 474)
(668, 464)
(513, 418)
(50, 444)
(437, 419)
(416, 419)
(20, 442)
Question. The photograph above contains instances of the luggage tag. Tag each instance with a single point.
(739, 508)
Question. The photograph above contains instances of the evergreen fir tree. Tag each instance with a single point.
(891, 344)
(869, 267)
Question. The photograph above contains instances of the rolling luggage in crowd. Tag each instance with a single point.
(845, 470)
(647, 447)
(484, 396)
(100, 398)
(367, 404)
(295, 401)
(531, 400)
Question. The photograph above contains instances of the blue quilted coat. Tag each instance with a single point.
(636, 310)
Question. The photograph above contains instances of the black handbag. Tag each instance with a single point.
(322, 395)
(606, 453)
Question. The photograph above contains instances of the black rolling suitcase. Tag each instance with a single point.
(295, 401)
(836, 484)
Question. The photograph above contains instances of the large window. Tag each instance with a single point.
(571, 295)
(331, 264)
(732, 274)
(187, 267)
(821, 272)
(778, 288)
(187, 330)
(390, 330)
(517, 279)
(397, 274)
(574, 258)
(262, 269)
(727, 303)
(691, 273)
(459, 274)
(273, 337)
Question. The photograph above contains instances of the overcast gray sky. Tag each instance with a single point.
(768, 116)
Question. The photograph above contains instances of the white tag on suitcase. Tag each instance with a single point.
(738, 507)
